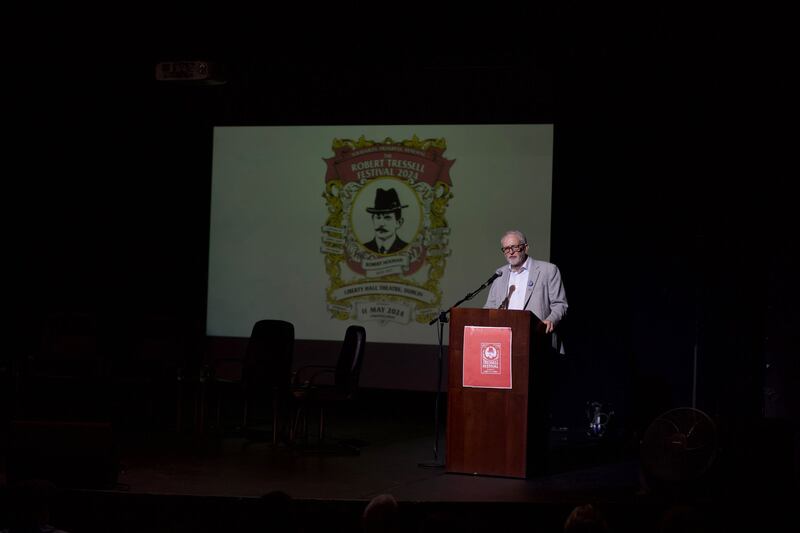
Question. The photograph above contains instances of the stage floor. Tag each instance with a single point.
(233, 466)
(193, 480)
(395, 436)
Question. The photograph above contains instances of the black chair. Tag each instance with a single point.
(265, 378)
(320, 387)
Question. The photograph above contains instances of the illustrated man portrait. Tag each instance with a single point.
(386, 220)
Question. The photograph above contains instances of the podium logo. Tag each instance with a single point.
(490, 357)
(385, 238)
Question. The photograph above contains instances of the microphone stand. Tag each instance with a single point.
(442, 320)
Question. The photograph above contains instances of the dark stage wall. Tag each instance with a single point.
(668, 224)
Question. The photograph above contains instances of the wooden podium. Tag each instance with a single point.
(498, 431)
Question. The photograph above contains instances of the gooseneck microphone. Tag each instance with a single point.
(504, 304)
(443, 315)
(488, 282)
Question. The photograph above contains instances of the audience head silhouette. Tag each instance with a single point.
(683, 519)
(381, 515)
(585, 519)
(278, 511)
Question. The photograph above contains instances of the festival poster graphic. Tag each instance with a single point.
(385, 238)
(487, 357)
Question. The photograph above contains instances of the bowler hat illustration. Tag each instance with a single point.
(386, 201)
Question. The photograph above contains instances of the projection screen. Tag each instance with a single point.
(298, 215)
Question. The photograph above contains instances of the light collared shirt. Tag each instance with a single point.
(385, 246)
(519, 280)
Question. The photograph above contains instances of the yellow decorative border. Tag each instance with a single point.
(415, 142)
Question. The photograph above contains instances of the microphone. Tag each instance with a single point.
(504, 304)
(443, 315)
(494, 277)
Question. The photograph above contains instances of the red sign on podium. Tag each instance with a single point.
(487, 357)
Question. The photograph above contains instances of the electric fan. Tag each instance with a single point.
(679, 446)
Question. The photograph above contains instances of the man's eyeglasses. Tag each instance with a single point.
(516, 248)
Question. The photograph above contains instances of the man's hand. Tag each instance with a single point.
(549, 327)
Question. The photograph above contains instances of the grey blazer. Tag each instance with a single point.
(544, 296)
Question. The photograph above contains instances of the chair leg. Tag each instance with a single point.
(274, 421)
(321, 424)
(200, 408)
(178, 406)
(219, 410)
(295, 424)
(298, 425)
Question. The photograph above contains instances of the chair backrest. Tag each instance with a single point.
(348, 367)
(268, 357)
